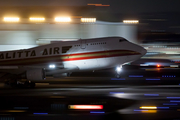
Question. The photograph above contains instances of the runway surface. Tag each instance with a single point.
(136, 97)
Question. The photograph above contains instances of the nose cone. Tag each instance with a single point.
(143, 51)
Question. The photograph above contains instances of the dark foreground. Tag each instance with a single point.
(138, 95)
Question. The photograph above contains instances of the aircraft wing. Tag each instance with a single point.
(11, 72)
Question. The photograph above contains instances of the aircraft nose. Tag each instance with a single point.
(143, 51)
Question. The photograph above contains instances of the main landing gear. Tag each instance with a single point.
(20, 83)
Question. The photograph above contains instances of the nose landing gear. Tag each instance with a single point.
(20, 83)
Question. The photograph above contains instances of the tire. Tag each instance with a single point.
(32, 84)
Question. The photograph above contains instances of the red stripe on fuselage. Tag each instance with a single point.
(57, 58)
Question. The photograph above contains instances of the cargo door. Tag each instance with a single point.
(83, 44)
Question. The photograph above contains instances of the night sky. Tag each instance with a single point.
(128, 6)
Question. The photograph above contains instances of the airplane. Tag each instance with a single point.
(65, 57)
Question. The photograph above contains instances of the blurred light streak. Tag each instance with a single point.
(158, 65)
(131, 21)
(102, 5)
(146, 111)
(148, 107)
(151, 94)
(117, 78)
(152, 79)
(174, 66)
(140, 110)
(150, 111)
(144, 65)
(152, 69)
(116, 92)
(168, 76)
(162, 107)
(11, 19)
(40, 113)
(173, 97)
(97, 112)
(135, 75)
(13, 111)
(88, 19)
(93, 4)
(97, 4)
(174, 101)
(85, 106)
(170, 104)
(37, 19)
(63, 19)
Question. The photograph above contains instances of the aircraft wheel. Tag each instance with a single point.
(32, 84)
(118, 76)
(69, 74)
(6, 83)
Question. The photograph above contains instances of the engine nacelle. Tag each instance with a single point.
(35, 74)
(60, 75)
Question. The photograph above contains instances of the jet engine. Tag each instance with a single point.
(35, 74)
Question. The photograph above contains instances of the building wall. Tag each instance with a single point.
(20, 36)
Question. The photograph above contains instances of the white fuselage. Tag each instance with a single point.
(84, 54)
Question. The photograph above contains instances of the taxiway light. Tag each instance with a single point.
(131, 21)
(11, 19)
(63, 19)
(37, 19)
(88, 19)
(89, 107)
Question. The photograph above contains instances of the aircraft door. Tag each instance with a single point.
(83, 44)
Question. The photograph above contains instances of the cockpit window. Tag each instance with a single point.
(122, 39)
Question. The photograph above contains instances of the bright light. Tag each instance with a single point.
(98, 4)
(37, 19)
(52, 66)
(88, 19)
(149, 111)
(85, 106)
(119, 69)
(131, 21)
(158, 65)
(63, 19)
(148, 107)
(11, 19)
